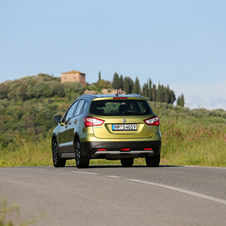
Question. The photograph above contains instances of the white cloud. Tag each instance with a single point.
(209, 95)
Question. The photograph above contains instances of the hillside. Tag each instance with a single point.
(27, 107)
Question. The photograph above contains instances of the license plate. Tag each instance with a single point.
(124, 127)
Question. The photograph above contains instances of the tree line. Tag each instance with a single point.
(44, 85)
(149, 90)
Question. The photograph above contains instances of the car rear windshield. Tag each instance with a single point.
(120, 107)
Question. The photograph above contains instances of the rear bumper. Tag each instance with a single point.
(113, 149)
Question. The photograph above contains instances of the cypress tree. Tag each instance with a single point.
(160, 94)
(172, 97)
(145, 90)
(131, 85)
(167, 95)
(121, 82)
(182, 102)
(136, 88)
(154, 92)
(99, 76)
(150, 90)
(116, 84)
(126, 85)
(179, 101)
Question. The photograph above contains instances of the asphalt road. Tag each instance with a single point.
(113, 195)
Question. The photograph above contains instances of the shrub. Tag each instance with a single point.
(170, 106)
(223, 115)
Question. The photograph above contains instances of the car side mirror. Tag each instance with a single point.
(57, 118)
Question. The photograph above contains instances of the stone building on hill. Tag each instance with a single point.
(73, 76)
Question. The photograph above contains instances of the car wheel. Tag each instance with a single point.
(81, 160)
(127, 162)
(57, 161)
(153, 161)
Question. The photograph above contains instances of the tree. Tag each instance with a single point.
(99, 76)
(172, 97)
(102, 83)
(116, 84)
(154, 92)
(167, 95)
(126, 86)
(160, 97)
(73, 90)
(121, 81)
(145, 90)
(150, 90)
(180, 101)
(136, 88)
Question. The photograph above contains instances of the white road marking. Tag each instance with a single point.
(222, 201)
(208, 167)
(112, 176)
(90, 173)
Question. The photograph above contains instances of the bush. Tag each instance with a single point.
(223, 115)
(170, 106)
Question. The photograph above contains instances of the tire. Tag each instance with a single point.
(80, 159)
(57, 161)
(153, 161)
(127, 162)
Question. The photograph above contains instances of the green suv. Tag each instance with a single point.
(107, 127)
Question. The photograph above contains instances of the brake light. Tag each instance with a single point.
(101, 149)
(148, 149)
(154, 121)
(120, 98)
(91, 121)
(125, 149)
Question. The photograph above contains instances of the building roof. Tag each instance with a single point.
(72, 72)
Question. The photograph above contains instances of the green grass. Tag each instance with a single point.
(186, 140)
(198, 143)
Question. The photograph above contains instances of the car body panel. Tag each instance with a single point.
(106, 131)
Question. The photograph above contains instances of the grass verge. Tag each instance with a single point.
(186, 140)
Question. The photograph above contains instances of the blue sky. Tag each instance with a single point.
(177, 43)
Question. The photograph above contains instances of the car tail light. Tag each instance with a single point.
(91, 121)
(101, 149)
(120, 98)
(148, 149)
(125, 149)
(154, 121)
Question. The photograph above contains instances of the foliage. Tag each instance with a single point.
(116, 83)
(40, 86)
(188, 137)
(180, 100)
(164, 94)
(99, 76)
(28, 118)
(136, 88)
(128, 85)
